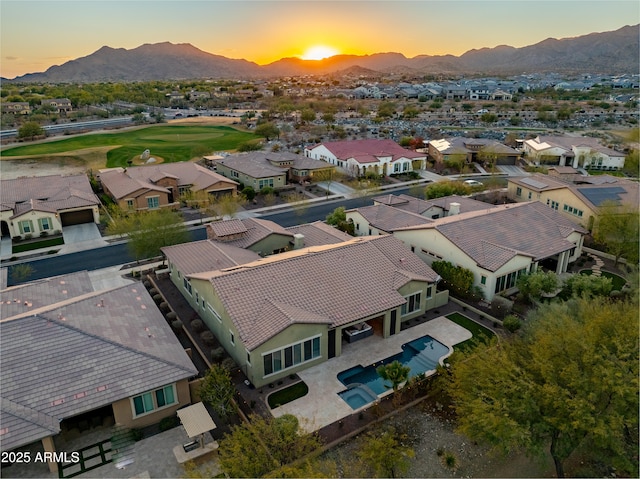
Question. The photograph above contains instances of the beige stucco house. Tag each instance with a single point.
(43, 205)
(585, 152)
(284, 313)
(498, 243)
(360, 157)
(159, 186)
(577, 197)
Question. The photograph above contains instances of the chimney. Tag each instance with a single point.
(298, 241)
(454, 209)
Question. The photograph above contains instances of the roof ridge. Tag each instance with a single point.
(17, 409)
(112, 342)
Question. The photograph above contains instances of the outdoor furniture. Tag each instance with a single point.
(357, 332)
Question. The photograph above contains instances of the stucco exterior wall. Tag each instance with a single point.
(569, 205)
(123, 410)
(278, 180)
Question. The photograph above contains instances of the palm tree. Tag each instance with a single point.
(396, 372)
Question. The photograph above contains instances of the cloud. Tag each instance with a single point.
(12, 58)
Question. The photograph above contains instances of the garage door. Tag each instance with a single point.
(76, 217)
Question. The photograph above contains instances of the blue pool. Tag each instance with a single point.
(421, 355)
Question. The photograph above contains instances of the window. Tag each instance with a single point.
(518, 191)
(555, 205)
(130, 204)
(263, 183)
(187, 285)
(291, 355)
(508, 280)
(429, 292)
(153, 202)
(153, 400)
(412, 305)
(529, 197)
(396, 168)
(25, 226)
(248, 358)
(214, 312)
(44, 224)
(234, 174)
(483, 280)
(232, 338)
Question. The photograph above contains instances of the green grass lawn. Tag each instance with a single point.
(617, 281)
(171, 143)
(287, 394)
(22, 247)
(479, 332)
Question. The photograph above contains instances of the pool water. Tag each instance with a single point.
(421, 355)
(358, 395)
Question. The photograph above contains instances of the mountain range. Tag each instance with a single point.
(612, 52)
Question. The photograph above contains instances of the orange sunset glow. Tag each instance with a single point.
(319, 52)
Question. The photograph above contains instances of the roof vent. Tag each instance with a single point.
(454, 209)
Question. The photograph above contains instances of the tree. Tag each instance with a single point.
(338, 218)
(569, 382)
(268, 130)
(217, 390)
(533, 285)
(264, 444)
(394, 372)
(456, 278)
(617, 228)
(446, 188)
(30, 130)
(385, 453)
(585, 285)
(226, 206)
(307, 115)
(148, 231)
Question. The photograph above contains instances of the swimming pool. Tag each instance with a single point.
(421, 355)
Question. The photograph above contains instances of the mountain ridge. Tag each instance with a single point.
(616, 51)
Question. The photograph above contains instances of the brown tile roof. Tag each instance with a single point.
(252, 164)
(387, 218)
(368, 151)
(319, 233)
(122, 182)
(207, 255)
(339, 284)
(46, 193)
(418, 206)
(256, 229)
(494, 236)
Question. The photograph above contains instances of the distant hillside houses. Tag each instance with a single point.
(577, 152)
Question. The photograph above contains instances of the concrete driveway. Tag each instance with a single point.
(80, 237)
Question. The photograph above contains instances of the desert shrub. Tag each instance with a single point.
(177, 324)
(500, 306)
(197, 325)
(511, 323)
(169, 423)
(217, 354)
(157, 298)
(207, 337)
(228, 364)
(171, 316)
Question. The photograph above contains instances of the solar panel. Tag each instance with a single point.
(536, 184)
(597, 196)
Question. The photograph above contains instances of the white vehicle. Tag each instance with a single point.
(472, 183)
(480, 112)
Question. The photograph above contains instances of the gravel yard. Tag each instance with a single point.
(428, 432)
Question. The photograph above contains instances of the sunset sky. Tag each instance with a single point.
(35, 35)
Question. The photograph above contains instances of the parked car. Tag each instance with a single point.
(472, 183)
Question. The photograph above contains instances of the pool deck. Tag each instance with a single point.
(322, 406)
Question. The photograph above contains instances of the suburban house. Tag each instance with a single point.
(284, 313)
(577, 197)
(74, 358)
(585, 152)
(42, 205)
(16, 107)
(265, 237)
(261, 169)
(497, 243)
(59, 105)
(435, 208)
(159, 186)
(359, 157)
(472, 150)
